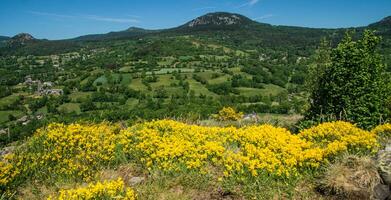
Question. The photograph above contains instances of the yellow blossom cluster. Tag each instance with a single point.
(171, 145)
(228, 114)
(336, 137)
(79, 150)
(71, 151)
(383, 133)
(271, 149)
(8, 170)
(75, 149)
(106, 190)
(382, 129)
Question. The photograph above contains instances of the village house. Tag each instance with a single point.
(51, 92)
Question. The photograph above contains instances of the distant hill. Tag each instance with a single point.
(237, 29)
(2, 38)
(383, 26)
(25, 44)
(229, 28)
(385, 22)
(21, 39)
(130, 32)
(218, 20)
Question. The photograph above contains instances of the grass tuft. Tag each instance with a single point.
(352, 177)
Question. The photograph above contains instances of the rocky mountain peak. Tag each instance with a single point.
(21, 39)
(218, 19)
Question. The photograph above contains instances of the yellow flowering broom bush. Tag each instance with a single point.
(228, 114)
(67, 151)
(8, 170)
(382, 129)
(336, 137)
(383, 133)
(171, 145)
(78, 151)
(271, 149)
(106, 190)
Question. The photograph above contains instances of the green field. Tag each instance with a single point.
(75, 96)
(165, 80)
(4, 115)
(70, 107)
(267, 90)
(5, 101)
(136, 84)
(200, 89)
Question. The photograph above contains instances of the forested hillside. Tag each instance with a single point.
(219, 59)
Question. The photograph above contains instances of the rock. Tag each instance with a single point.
(381, 192)
(136, 180)
(384, 164)
(6, 150)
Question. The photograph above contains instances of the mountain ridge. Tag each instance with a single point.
(235, 29)
(383, 26)
(131, 31)
(223, 21)
(219, 19)
(232, 20)
(4, 38)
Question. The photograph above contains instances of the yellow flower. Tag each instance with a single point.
(336, 137)
(106, 190)
(384, 129)
(80, 150)
(228, 113)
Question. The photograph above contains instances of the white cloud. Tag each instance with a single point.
(249, 3)
(253, 2)
(264, 17)
(89, 17)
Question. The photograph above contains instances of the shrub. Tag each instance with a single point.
(62, 151)
(77, 151)
(383, 133)
(337, 137)
(171, 146)
(221, 88)
(106, 190)
(228, 114)
(384, 129)
(351, 83)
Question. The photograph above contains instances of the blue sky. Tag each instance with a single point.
(60, 19)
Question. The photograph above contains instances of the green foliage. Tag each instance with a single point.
(317, 70)
(352, 86)
(221, 89)
(87, 106)
(180, 72)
